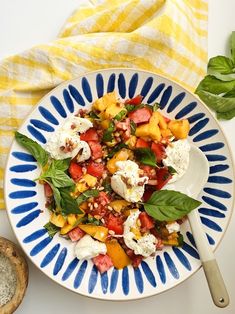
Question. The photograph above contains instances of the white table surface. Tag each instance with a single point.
(24, 23)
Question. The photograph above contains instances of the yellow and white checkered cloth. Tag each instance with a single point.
(168, 37)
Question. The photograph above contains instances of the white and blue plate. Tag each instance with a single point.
(26, 203)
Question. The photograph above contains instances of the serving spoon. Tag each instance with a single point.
(191, 184)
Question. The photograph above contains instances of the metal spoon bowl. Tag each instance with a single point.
(191, 184)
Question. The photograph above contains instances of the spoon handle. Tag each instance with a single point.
(214, 278)
(215, 282)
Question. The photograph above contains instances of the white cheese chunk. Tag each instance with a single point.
(146, 245)
(127, 183)
(87, 248)
(173, 227)
(178, 158)
(68, 134)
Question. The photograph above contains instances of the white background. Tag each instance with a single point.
(24, 23)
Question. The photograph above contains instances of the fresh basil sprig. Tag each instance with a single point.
(217, 89)
(33, 147)
(84, 196)
(56, 174)
(167, 205)
(146, 156)
(68, 203)
(51, 229)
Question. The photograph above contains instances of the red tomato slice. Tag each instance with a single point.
(147, 194)
(48, 190)
(114, 223)
(134, 101)
(149, 171)
(159, 151)
(146, 221)
(102, 262)
(75, 171)
(141, 115)
(96, 149)
(102, 200)
(140, 143)
(76, 234)
(95, 169)
(89, 135)
(163, 176)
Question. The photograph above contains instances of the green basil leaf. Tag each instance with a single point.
(84, 196)
(133, 127)
(51, 229)
(233, 46)
(56, 195)
(171, 170)
(93, 115)
(120, 115)
(33, 147)
(212, 85)
(167, 205)
(220, 64)
(108, 134)
(217, 103)
(61, 179)
(116, 149)
(55, 173)
(223, 77)
(226, 115)
(60, 164)
(146, 156)
(230, 94)
(69, 205)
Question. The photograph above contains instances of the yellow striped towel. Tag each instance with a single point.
(168, 37)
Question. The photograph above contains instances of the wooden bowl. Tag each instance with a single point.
(10, 250)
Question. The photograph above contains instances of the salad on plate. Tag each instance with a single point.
(103, 172)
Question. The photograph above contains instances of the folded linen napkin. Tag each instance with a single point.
(168, 37)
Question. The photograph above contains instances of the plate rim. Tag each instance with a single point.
(63, 84)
